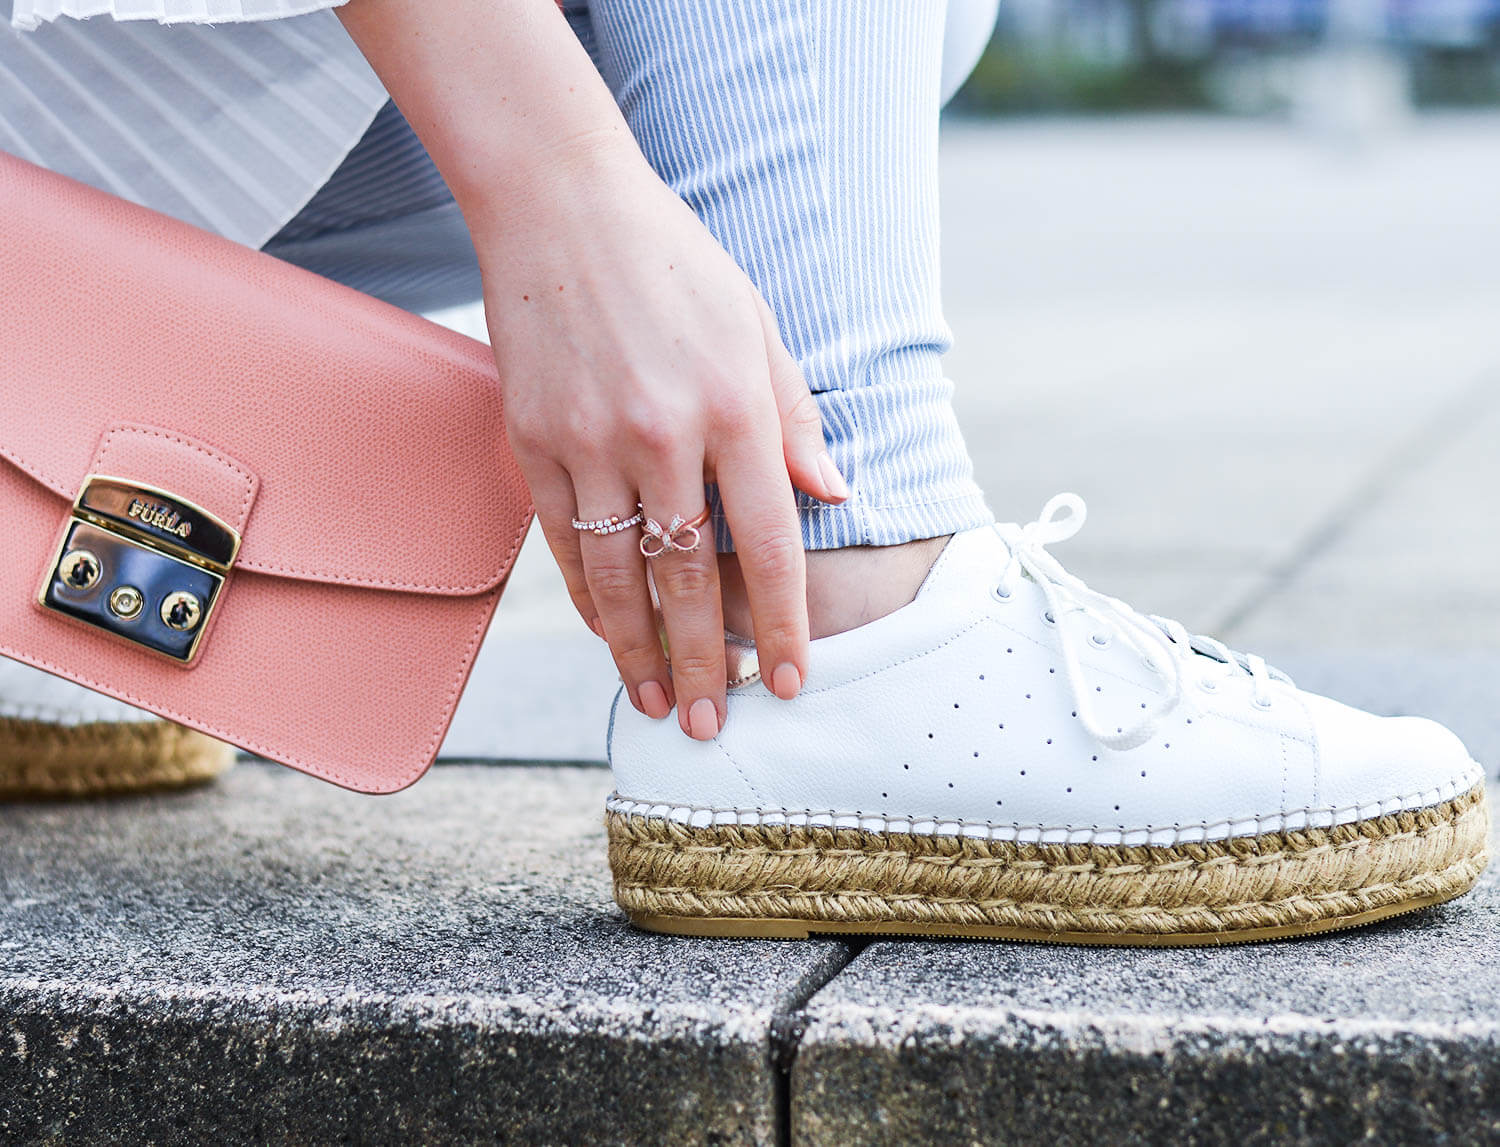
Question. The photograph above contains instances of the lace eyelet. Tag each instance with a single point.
(1099, 640)
(1049, 618)
(1260, 704)
(1208, 685)
(1001, 594)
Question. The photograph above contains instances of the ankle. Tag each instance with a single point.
(846, 588)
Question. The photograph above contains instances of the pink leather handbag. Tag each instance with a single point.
(238, 495)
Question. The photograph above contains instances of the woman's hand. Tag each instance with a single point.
(639, 363)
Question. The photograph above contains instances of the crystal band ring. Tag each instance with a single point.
(606, 526)
(679, 534)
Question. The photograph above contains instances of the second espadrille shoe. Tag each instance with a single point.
(1013, 755)
(60, 740)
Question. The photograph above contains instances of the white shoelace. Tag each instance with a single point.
(1165, 646)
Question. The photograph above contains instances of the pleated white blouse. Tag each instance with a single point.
(232, 126)
(29, 13)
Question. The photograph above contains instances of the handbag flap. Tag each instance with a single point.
(376, 437)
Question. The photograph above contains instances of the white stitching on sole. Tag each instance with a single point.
(700, 816)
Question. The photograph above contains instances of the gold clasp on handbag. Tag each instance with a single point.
(141, 563)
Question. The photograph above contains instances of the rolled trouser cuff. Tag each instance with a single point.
(900, 448)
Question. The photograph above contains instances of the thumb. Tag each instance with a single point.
(808, 462)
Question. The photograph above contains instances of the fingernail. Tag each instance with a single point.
(654, 700)
(598, 627)
(832, 479)
(703, 720)
(786, 681)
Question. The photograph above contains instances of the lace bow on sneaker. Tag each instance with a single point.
(1166, 647)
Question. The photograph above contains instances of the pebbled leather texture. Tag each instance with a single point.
(360, 450)
(952, 715)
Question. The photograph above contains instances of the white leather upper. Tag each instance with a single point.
(953, 715)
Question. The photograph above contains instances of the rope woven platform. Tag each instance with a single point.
(42, 759)
(668, 874)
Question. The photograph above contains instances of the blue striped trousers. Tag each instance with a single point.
(804, 135)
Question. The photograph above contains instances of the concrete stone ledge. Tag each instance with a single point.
(1027, 1077)
(277, 961)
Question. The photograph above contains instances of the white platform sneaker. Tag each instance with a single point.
(1014, 755)
(60, 740)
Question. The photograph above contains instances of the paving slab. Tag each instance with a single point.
(273, 960)
(1389, 1034)
(1414, 568)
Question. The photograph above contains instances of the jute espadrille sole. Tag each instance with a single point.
(794, 881)
(43, 759)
